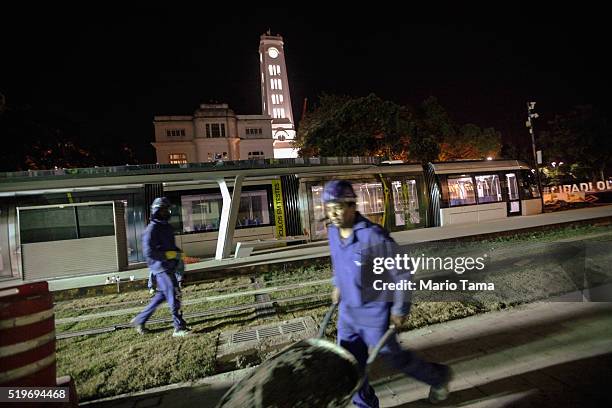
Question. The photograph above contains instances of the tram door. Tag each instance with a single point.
(514, 201)
(5, 266)
(405, 208)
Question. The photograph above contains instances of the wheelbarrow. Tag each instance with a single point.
(310, 373)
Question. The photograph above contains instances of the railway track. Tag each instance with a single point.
(206, 313)
(199, 292)
(254, 292)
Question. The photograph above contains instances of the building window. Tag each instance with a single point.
(253, 131)
(175, 132)
(278, 113)
(280, 98)
(177, 158)
(274, 69)
(215, 130)
(276, 83)
(488, 188)
(461, 191)
(256, 155)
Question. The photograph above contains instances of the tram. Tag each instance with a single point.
(72, 222)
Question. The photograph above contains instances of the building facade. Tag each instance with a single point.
(214, 132)
(275, 96)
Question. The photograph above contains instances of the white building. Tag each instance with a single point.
(275, 97)
(214, 132)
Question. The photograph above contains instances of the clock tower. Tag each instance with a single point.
(275, 97)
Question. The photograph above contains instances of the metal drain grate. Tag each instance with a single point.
(293, 327)
(244, 336)
(264, 332)
(269, 331)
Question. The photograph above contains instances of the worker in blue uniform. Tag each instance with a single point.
(362, 321)
(163, 258)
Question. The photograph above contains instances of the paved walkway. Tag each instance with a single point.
(554, 354)
(320, 249)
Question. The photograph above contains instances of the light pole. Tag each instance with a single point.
(531, 114)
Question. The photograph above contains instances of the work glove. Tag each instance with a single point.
(174, 255)
(151, 291)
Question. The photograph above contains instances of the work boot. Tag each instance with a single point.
(181, 332)
(140, 327)
(441, 392)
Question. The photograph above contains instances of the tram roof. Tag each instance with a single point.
(38, 181)
(129, 176)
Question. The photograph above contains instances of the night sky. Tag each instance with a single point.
(109, 73)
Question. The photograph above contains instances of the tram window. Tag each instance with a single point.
(488, 188)
(96, 221)
(370, 200)
(405, 202)
(47, 224)
(529, 184)
(370, 203)
(318, 211)
(60, 223)
(461, 191)
(253, 209)
(202, 212)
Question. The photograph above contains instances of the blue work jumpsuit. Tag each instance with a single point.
(158, 238)
(361, 322)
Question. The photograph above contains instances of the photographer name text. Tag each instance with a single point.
(463, 284)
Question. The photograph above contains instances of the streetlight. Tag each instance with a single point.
(531, 114)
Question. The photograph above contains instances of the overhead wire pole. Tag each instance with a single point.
(531, 114)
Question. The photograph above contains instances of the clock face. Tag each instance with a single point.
(272, 52)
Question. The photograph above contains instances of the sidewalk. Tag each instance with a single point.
(543, 354)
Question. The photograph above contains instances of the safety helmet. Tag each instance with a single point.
(158, 204)
(340, 191)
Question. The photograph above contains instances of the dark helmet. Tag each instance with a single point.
(339, 191)
(160, 208)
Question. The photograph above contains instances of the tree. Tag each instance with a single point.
(315, 121)
(344, 126)
(455, 142)
(471, 142)
(38, 139)
(370, 126)
(581, 138)
(518, 152)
